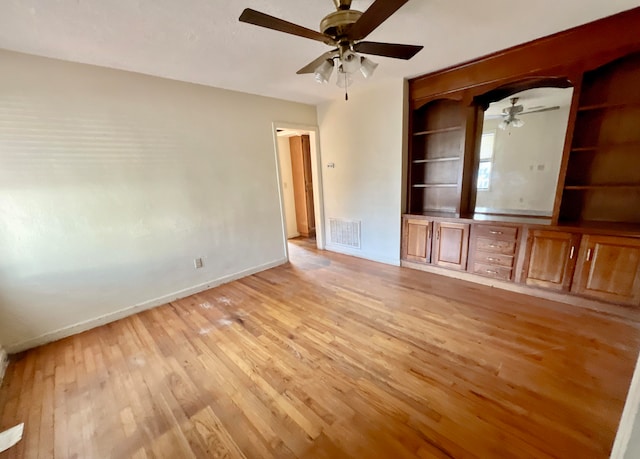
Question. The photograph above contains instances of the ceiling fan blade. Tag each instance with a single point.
(312, 66)
(375, 15)
(394, 50)
(270, 22)
(548, 109)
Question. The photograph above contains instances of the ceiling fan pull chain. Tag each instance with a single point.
(346, 94)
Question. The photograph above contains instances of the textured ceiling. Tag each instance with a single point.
(201, 41)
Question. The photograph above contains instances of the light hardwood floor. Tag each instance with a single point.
(327, 357)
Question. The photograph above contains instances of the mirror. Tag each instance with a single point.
(521, 150)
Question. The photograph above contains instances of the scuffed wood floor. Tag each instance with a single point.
(329, 357)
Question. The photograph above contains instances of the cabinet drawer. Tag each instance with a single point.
(506, 233)
(494, 259)
(495, 246)
(497, 272)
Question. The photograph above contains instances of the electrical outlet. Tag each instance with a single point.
(197, 262)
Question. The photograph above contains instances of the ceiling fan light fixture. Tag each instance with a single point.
(517, 122)
(343, 29)
(344, 79)
(503, 124)
(323, 72)
(350, 62)
(367, 67)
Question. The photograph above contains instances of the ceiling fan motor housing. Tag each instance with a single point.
(338, 23)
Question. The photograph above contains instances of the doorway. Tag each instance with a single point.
(298, 160)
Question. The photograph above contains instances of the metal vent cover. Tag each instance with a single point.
(345, 232)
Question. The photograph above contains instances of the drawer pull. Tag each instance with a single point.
(573, 248)
(493, 245)
(495, 232)
(491, 271)
(588, 254)
(492, 259)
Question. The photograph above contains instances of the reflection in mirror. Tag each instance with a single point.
(521, 151)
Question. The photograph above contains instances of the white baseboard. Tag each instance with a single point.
(4, 362)
(360, 254)
(130, 310)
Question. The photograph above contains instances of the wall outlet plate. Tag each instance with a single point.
(197, 262)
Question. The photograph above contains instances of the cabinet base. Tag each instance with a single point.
(626, 312)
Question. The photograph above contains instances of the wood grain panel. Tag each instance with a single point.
(450, 248)
(330, 356)
(506, 233)
(551, 259)
(416, 240)
(490, 270)
(302, 184)
(496, 246)
(585, 47)
(609, 268)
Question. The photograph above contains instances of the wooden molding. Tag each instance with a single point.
(565, 53)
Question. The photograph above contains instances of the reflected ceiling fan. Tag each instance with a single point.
(509, 113)
(342, 29)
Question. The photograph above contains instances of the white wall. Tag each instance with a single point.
(363, 138)
(111, 183)
(517, 183)
(286, 174)
(3, 363)
(627, 442)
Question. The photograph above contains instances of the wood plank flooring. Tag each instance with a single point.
(328, 357)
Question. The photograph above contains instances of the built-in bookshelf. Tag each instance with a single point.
(437, 140)
(603, 174)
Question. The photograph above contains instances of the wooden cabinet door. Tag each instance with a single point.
(609, 269)
(302, 184)
(308, 183)
(551, 258)
(451, 245)
(416, 239)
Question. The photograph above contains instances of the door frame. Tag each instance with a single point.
(316, 177)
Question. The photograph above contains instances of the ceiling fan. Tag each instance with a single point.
(509, 114)
(342, 29)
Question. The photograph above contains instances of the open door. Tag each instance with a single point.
(302, 184)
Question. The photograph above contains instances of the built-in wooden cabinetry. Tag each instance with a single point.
(436, 157)
(551, 259)
(609, 268)
(590, 245)
(603, 174)
(592, 265)
(493, 250)
(416, 239)
(450, 245)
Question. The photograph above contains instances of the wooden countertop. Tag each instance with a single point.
(593, 227)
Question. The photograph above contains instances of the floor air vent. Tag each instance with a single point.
(345, 232)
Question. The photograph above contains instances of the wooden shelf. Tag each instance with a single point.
(601, 187)
(436, 160)
(437, 131)
(446, 212)
(605, 106)
(434, 185)
(606, 146)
